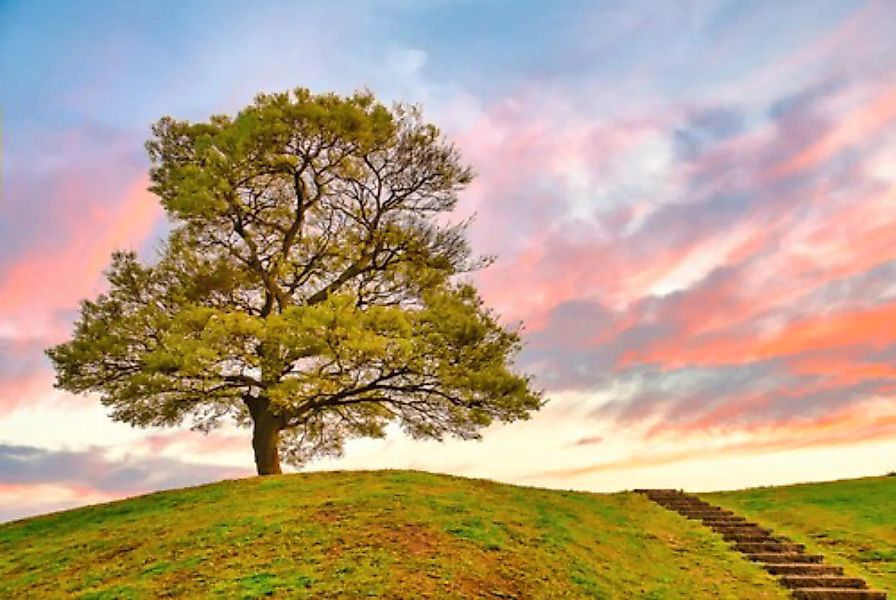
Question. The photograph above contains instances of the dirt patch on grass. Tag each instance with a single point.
(120, 551)
(414, 539)
(477, 574)
(326, 517)
(427, 561)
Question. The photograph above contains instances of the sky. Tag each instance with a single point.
(692, 205)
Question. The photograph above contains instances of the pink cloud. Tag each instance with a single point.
(856, 127)
(50, 278)
(739, 266)
(75, 477)
(16, 391)
(862, 423)
(849, 328)
(20, 500)
(558, 261)
(41, 285)
(842, 368)
(188, 443)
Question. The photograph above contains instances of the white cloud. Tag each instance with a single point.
(405, 62)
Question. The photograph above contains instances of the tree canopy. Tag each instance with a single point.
(310, 286)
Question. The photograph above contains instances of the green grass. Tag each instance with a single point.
(385, 534)
(852, 522)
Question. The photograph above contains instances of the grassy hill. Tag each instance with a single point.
(392, 534)
(400, 534)
(852, 522)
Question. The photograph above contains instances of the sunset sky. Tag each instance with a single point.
(693, 210)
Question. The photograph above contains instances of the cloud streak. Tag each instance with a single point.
(70, 478)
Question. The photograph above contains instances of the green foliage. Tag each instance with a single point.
(309, 280)
(385, 534)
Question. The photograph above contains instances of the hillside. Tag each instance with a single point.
(388, 534)
(851, 522)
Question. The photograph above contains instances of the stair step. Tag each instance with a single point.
(741, 537)
(750, 528)
(706, 514)
(789, 558)
(802, 573)
(758, 547)
(833, 581)
(710, 521)
(838, 594)
(813, 569)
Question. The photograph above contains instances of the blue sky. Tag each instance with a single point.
(691, 204)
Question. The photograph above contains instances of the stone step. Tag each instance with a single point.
(802, 573)
(678, 500)
(707, 513)
(838, 594)
(741, 537)
(699, 516)
(738, 525)
(789, 558)
(682, 507)
(757, 547)
(746, 528)
(742, 524)
(832, 581)
(710, 521)
(812, 569)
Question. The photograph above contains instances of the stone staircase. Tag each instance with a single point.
(805, 575)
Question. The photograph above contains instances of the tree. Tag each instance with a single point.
(310, 286)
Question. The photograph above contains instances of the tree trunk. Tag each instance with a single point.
(265, 437)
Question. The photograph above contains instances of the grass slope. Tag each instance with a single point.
(387, 534)
(852, 522)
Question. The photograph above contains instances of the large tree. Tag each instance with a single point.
(311, 286)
